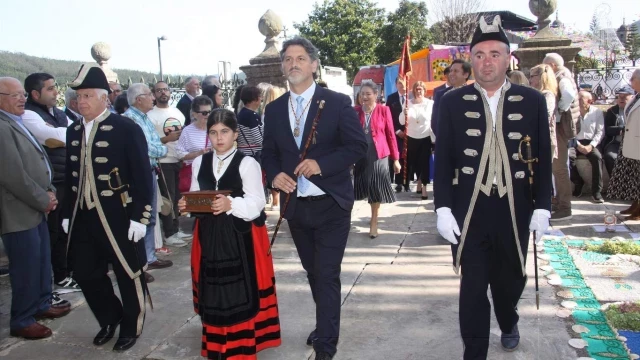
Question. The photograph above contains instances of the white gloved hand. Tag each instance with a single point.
(539, 223)
(65, 225)
(137, 231)
(447, 225)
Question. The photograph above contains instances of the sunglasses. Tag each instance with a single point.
(205, 113)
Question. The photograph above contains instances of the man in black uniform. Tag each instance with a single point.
(109, 205)
(483, 186)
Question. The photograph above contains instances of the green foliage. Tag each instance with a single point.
(625, 316)
(409, 17)
(615, 247)
(346, 32)
(594, 26)
(20, 65)
(632, 44)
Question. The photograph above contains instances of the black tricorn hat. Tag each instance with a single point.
(486, 32)
(90, 76)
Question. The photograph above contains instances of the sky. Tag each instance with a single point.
(200, 32)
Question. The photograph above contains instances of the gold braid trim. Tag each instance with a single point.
(143, 309)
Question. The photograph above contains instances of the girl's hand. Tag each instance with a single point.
(221, 204)
(182, 204)
(396, 167)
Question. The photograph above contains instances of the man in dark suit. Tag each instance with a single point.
(26, 196)
(319, 211)
(446, 79)
(459, 73)
(483, 186)
(396, 103)
(192, 88)
(71, 105)
(107, 176)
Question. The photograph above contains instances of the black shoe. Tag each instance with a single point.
(406, 189)
(124, 343)
(398, 188)
(323, 356)
(510, 341)
(312, 337)
(148, 278)
(597, 198)
(577, 190)
(105, 334)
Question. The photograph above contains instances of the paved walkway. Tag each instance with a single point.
(400, 300)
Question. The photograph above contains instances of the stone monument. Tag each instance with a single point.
(266, 67)
(101, 53)
(532, 51)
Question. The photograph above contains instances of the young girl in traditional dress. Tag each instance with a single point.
(233, 279)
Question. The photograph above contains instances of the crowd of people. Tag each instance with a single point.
(84, 188)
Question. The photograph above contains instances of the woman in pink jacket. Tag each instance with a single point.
(372, 181)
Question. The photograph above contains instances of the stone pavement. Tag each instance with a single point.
(399, 291)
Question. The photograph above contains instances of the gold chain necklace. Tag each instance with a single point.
(221, 161)
(296, 130)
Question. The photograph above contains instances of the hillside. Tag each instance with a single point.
(20, 65)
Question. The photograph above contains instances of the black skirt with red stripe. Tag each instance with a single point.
(236, 299)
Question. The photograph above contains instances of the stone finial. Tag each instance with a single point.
(270, 25)
(543, 9)
(101, 53)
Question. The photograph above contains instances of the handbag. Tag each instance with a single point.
(166, 204)
(185, 175)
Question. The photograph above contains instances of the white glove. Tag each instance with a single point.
(137, 231)
(539, 223)
(447, 225)
(65, 225)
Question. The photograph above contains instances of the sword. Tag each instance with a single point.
(124, 196)
(529, 160)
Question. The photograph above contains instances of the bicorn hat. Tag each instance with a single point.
(486, 32)
(90, 76)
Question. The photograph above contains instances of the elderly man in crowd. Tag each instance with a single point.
(192, 87)
(116, 90)
(26, 196)
(71, 105)
(108, 177)
(614, 127)
(44, 117)
(567, 105)
(140, 100)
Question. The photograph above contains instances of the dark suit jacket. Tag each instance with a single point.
(394, 104)
(340, 143)
(184, 105)
(71, 115)
(611, 128)
(437, 96)
(463, 133)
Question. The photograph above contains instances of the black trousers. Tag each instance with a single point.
(418, 159)
(489, 259)
(320, 230)
(58, 237)
(171, 172)
(92, 253)
(595, 158)
(610, 155)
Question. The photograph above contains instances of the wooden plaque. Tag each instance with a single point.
(200, 201)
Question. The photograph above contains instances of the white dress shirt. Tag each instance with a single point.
(592, 126)
(307, 95)
(493, 102)
(249, 206)
(41, 130)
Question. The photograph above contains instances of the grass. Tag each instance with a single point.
(615, 247)
(624, 316)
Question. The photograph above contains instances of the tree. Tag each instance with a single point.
(632, 44)
(345, 32)
(456, 20)
(594, 26)
(409, 17)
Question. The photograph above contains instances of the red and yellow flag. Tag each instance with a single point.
(405, 59)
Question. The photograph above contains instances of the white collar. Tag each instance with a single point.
(497, 91)
(99, 116)
(307, 94)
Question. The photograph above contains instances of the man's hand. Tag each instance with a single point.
(53, 202)
(136, 231)
(172, 136)
(582, 149)
(65, 225)
(307, 168)
(182, 204)
(447, 225)
(221, 204)
(284, 183)
(588, 149)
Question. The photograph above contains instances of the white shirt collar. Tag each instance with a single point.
(91, 122)
(306, 95)
(497, 93)
(189, 96)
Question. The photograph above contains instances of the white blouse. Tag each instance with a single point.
(249, 206)
(419, 119)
